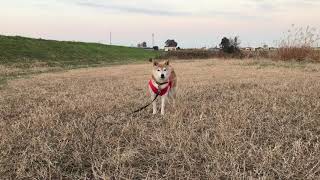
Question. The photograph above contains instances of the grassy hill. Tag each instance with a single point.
(21, 56)
(25, 51)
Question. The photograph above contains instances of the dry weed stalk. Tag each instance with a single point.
(298, 44)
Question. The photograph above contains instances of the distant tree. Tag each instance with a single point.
(171, 43)
(225, 44)
(235, 42)
(230, 45)
(144, 44)
(156, 48)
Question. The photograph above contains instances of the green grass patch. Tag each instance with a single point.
(32, 56)
(26, 51)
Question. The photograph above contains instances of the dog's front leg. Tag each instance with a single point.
(154, 104)
(163, 101)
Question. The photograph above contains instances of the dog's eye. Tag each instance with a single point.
(158, 69)
(164, 69)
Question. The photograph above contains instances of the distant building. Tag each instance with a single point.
(171, 45)
(249, 49)
(169, 48)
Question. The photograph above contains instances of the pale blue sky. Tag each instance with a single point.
(193, 23)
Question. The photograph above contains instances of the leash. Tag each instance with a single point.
(138, 110)
(101, 116)
(157, 94)
(142, 108)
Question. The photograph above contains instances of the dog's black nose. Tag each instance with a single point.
(162, 76)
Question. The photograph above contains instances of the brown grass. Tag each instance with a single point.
(298, 44)
(233, 120)
(298, 54)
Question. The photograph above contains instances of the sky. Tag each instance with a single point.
(192, 23)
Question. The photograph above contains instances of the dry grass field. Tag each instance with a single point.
(233, 119)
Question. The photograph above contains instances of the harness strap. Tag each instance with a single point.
(159, 84)
(162, 91)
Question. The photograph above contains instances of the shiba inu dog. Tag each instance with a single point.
(164, 82)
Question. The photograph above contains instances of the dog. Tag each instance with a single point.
(164, 82)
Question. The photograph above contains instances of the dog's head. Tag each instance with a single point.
(161, 71)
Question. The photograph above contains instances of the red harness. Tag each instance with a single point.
(163, 91)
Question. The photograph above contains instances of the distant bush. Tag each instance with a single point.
(298, 44)
(198, 54)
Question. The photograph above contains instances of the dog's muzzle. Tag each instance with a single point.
(162, 76)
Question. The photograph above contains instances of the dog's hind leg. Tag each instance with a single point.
(172, 96)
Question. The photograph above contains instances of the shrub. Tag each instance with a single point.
(198, 54)
(298, 44)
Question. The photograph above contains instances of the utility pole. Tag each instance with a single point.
(110, 38)
(152, 39)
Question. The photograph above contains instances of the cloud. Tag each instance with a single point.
(281, 5)
(133, 9)
(174, 9)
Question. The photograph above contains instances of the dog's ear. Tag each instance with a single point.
(166, 62)
(155, 63)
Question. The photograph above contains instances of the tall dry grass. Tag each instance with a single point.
(232, 120)
(298, 44)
